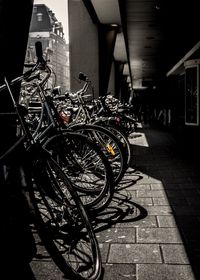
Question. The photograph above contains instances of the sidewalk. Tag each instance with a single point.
(151, 229)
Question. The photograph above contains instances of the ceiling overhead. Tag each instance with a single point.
(146, 40)
(155, 34)
(108, 12)
(159, 33)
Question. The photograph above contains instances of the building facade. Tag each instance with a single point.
(46, 28)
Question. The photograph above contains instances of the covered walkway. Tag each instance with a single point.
(151, 230)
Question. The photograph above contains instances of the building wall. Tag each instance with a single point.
(111, 85)
(83, 45)
(56, 51)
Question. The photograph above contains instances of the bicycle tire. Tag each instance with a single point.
(62, 222)
(110, 145)
(86, 166)
(125, 142)
(120, 135)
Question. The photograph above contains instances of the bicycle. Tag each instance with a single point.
(112, 142)
(80, 158)
(60, 216)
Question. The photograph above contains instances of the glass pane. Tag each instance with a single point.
(191, 98)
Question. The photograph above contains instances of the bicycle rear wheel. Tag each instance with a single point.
(62, 222)
(109, 144)
(120, 135)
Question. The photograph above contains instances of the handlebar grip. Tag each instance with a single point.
(2, 87)
(82, 77)
(29, 65)
(39, 52)
(30, 78)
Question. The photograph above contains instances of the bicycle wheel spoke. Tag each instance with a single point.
(63, 224)
(86, 166)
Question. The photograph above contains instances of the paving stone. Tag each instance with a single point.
(139, 173)
(189, 186)
(174, 254)
(188, 222)
(192, 192)
(195, 179)
(158, 235)
(159, 210)
(174, 193)
(170, 201)
(149, 221)
(45, 269)
(160, 201)
(183, 210)
(134, 253)
(171, 186)
(186, 171)
(165, 174)
(104, 248)
(126, 184)
(143, 200)
(131, 177)
(143, 180)
(122, 195)
(117, 235)
(193, 201)
(193, 253)
(196, 208)
(153, 180)
(177, 180)
(166, 221)
(151, 193)
(157, 186)
(139, 187)
(119, 272)
(191, 234)
(164, 272)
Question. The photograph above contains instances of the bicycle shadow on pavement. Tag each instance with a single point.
(122, 209)
(131, 177)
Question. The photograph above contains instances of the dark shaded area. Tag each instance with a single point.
(177, 167)
(17, 242)
(122, 209)
(107, 38)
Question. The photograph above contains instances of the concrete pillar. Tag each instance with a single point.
(83, 45)
(107, 38)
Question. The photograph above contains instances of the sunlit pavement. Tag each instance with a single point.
(151, 228)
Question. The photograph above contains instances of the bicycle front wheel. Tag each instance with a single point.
(86, 166)
(63, 224)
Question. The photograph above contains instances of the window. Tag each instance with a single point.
(34, 9)
(192, 95)
(39, 16)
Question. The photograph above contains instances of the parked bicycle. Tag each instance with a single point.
(114, 145)
(60, 216)
(80, 158)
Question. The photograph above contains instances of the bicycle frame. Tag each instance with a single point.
(64, 212)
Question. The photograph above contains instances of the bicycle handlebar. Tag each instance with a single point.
(40, 64)
(39, 54)
(38, 50)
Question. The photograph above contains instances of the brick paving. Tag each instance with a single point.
(151, 229)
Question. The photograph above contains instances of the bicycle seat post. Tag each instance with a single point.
(10, 92)
(19, 114)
